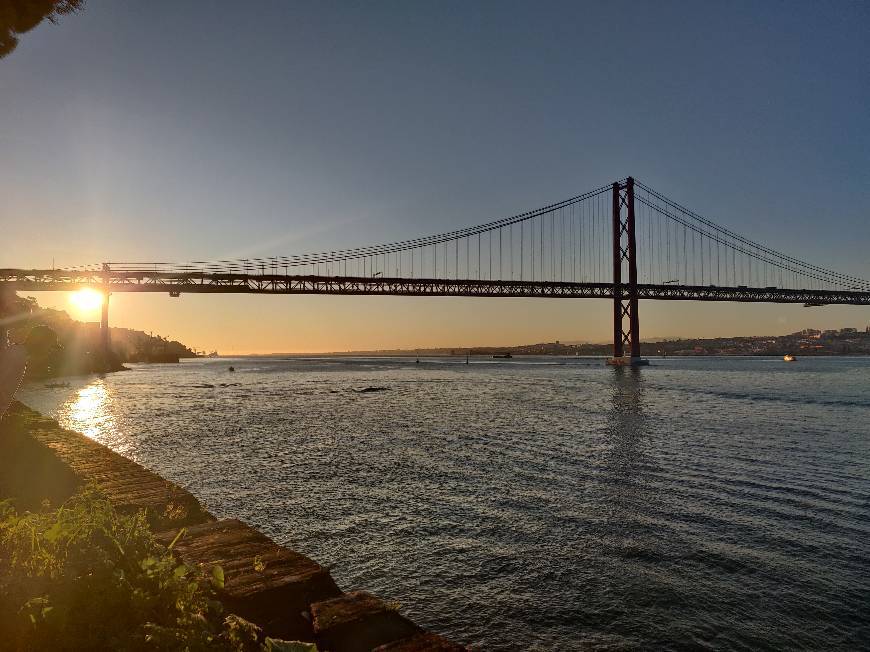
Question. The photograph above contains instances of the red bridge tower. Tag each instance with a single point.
(626, 325)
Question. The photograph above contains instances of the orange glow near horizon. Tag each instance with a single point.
(310, 324)
(86, 301)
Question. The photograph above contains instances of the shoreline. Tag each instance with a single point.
(281, 590)
(485, 356)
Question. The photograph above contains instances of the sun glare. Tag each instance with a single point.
(86, 300)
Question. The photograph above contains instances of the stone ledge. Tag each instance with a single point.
(423, 642)
(277, 597)
(358, 622)
(128, 486)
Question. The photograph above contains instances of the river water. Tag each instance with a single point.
(533, 503)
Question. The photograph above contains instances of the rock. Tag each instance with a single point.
(358, 622)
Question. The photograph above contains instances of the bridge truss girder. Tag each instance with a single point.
(208, 283)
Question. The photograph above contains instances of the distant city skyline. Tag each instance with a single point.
(173, 134)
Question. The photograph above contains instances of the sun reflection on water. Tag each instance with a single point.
(89, 412)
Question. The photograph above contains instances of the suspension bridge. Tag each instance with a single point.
(624, 242)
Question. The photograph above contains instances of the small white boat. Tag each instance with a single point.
(788, 357)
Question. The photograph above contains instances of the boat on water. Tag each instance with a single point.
(788, 357)
(502, 355)
(57, 385)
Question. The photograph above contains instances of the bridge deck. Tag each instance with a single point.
(235, 283)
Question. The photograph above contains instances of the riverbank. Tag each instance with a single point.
(60, 346)
(282, 591)
(515, 503)
(807, 342)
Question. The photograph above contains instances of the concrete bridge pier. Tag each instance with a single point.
(105, 339)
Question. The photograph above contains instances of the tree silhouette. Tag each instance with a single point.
(44, 352)
(20, 16)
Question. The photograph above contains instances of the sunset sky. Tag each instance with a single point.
(164, 132)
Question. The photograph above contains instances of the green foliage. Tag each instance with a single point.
(83, 576)
(59, 345)
(20, 16)
(217, 577)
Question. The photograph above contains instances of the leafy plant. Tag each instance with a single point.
(83, 576)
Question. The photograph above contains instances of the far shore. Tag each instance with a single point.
(807, 342)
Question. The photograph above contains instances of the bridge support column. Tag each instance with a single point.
(105, 339)
(626, 323)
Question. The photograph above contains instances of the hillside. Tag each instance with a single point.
(843, 341)
(58, 345)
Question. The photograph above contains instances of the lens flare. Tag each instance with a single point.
(86, 300)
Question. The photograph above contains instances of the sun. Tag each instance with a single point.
(86, 300)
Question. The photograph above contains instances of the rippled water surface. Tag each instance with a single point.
(534, 503)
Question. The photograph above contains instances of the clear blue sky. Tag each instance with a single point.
(178, 131)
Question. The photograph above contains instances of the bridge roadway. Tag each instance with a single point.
(176, 283)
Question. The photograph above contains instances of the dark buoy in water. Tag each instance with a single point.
(232, 368)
